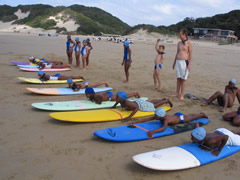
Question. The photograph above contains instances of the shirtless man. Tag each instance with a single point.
(45, 77)
(215, 141)
(177, 118)
(182, 62)
(138, 104)
(127, 59)
(227, 99)
(89, 50)
(77, 86)
(105, 96)
(233, 116)
(158, 65)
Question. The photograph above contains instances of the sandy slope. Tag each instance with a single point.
(34, 146)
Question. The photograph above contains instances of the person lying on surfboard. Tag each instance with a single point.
(215, 141)
(45, 77)
(48, 65)
(77, 86)
(227, 99)
(177, 118)
(37, 61)
(99, 97)
(138, 104)
(233, 116)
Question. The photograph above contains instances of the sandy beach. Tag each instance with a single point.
(34, 146)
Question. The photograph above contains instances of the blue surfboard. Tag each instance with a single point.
(139, 131)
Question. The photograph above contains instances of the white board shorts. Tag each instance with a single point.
(233, 139)
(53, 78)
(48, 66)
(181, 69)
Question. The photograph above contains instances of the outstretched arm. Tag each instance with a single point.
(115, 105)
(145, 119)
(165, 124)
(175, 58)
(131, 115)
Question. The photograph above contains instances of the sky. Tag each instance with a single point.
(155, 12)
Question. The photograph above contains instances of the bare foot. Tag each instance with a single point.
(137, 95)
(204, 114)
(175, 95)
(204, 104)
(126, 81)
(222, 110)
(181, 98)
(155, 86)
(170, 102)
(106, 83)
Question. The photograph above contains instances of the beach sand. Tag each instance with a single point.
(34, 146)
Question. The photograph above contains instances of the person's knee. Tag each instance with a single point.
(225, 117)
(236, 122)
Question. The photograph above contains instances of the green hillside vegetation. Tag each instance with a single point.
(91, 20)
(228, 21)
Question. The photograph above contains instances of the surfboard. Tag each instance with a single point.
(28, 66)
(181, 157)
(75, 105)
(63, 91)
(138, 132)
(100, 115)
(37, 81)
(37, 69)
(22, 63)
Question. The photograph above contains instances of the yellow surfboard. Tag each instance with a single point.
(100, 115)
(37, 81)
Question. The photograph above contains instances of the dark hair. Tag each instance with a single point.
(162, 46)
(184, 31)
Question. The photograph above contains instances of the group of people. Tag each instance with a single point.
(182, 64)
(84, 50)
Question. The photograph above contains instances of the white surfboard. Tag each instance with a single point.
(181, 157)
(173, 158)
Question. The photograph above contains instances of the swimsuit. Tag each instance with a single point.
(126, 54)
(76, 48)
(83, 51)
(86, 84)
(156, 66)
(145, 105)
(233, 139)
(53, 78)
(48, 66)
(69, 43)
(181, 69)
(238, 113)
(74, 86)
(181, 116)
(109, 95)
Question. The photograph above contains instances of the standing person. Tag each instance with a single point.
(77, 51)
(89, 50)
(158, 65)
(127, 60)
(84, 52)
(182, 62)
(70, 44)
